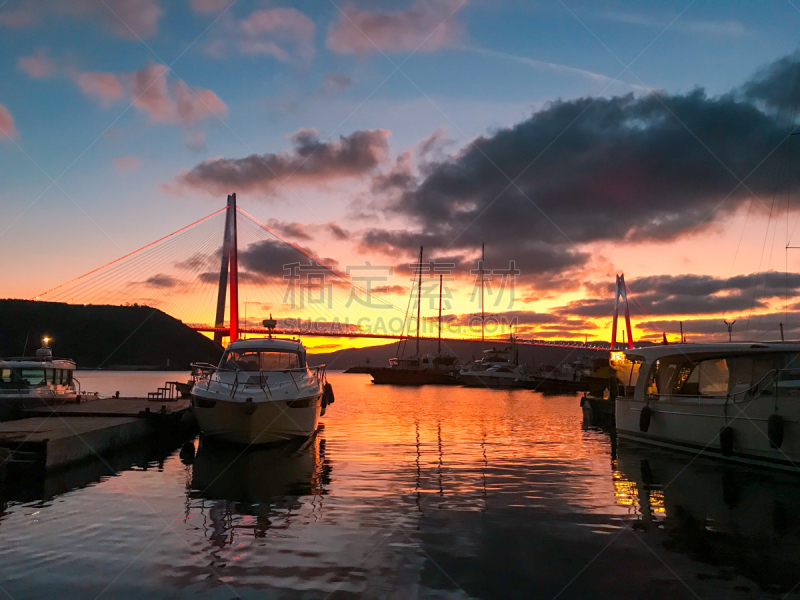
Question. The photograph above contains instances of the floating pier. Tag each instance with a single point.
(53, 437)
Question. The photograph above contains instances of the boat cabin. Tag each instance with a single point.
(41, 375)
(266, 354)
(711, 373)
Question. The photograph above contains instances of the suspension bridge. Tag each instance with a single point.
(224, 273)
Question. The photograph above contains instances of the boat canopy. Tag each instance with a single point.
(264, 354)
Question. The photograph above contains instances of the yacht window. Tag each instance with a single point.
(276, 361)
(32, 377)
(713, 377)
(250, 360)
(51, 375)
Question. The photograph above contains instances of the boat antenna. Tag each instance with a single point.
(270, 324)
(419, 295)
(440, 314)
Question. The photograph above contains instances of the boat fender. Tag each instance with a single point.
(327, 394)
(248, 407)
(644, 418)
(775, 430)
(726, 435)
(187, 452)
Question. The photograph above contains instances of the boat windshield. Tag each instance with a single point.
(260, 360)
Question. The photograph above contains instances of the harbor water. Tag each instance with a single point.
(405, 492)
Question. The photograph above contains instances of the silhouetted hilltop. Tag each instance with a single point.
(103, 336)
(466, 350)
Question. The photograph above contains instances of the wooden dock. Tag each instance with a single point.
(53, 437)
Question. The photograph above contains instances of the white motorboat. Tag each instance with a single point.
(42, 380)
(496, 368)
(738, 401)
(261, 392)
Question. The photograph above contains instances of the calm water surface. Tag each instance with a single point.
(436, 492)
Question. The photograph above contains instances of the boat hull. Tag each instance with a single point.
(489, 381)
(395, 376)
(696, 427)
(266, 422)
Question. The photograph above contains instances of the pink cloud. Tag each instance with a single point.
(209, 6)
(282, 33)
(7, 123)
(38, 65)
(126, 163)
(427, 26)
(103, 87)
(181, 104)
(125, 18)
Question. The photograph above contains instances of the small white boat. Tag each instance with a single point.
(27, 382)
(496, 368)
(738, 401)
(262, 392)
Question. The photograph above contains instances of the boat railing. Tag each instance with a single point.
(255, 379)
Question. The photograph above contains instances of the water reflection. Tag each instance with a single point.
(239, 494)
(736, 518)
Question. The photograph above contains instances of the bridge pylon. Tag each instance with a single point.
(228, 276)
(621, 292)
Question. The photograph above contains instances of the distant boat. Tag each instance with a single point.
(439, 368)
(28, 382)
(737, 401)
(497, 367)
(262, 392)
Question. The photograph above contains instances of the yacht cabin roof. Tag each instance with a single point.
(263, 344)
(702, 351)
(31, 363)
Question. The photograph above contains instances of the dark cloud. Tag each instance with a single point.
(624, 168)
(161, 281)
(774, 85)
(758, 327)
(294, 231)
(310, 161)
(338, 232)
(690, 294)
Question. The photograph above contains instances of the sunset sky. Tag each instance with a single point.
(577, 139)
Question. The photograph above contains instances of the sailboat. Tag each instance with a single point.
(440, 368)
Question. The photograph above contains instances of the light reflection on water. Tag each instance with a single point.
(435, 491)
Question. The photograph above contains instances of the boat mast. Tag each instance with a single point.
(440, 314)
(419, 296)
(483, 258)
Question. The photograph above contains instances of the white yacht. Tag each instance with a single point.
(740, 401)
(496, 368)
(29, 381)
(261, 392)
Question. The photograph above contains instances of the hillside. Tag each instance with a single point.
(379, 355)
(103, 336)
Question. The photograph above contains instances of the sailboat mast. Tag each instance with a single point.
(483, 258)
(440, 314)
(419, 296)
